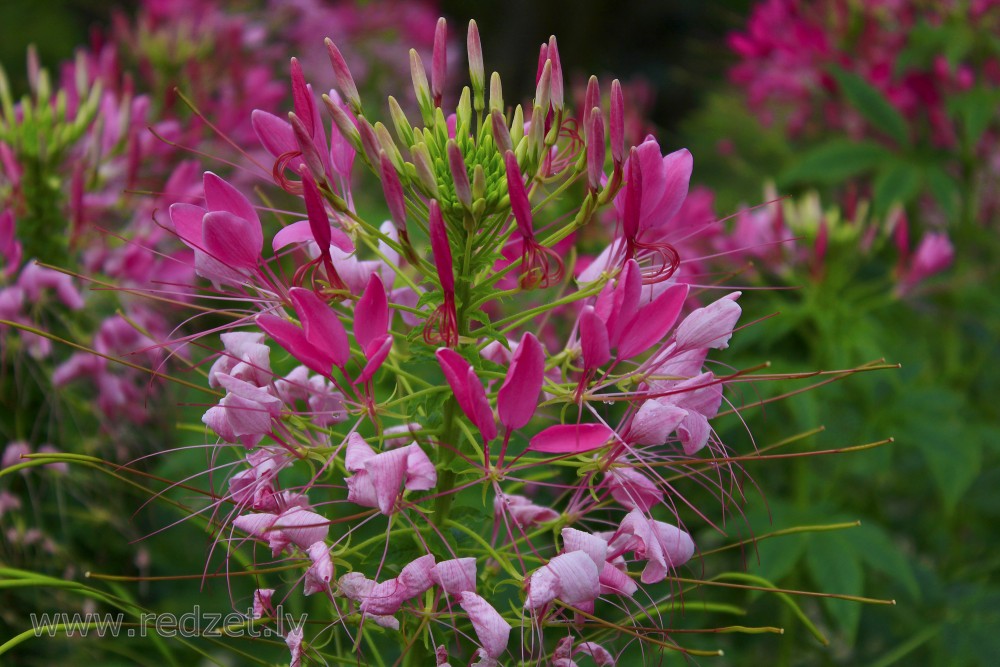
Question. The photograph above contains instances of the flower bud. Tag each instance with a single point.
(460, 175)
(439, 60)
(400, 122)
(344, 123)
(557, 93)
(420, 88)
(425, 168)
(595, 150)
(477, 74)
(617, 123)
(345, 82)
(496, 93)
(501, 135)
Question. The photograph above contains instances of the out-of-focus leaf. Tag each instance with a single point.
(835, 161)
(896, 183)
(876, 109)
(778, 556)
(974, 109)
(879, 552)
(951, 451)
(945, 190)
(836, 568)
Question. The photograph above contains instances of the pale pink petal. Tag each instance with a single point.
(632, 489)
(421, 474)
(303, 528)
(711, 326)
(320, 573)
(493, 631)
(654, 422)
(294, 642)
(358, 452)
(595, 547)
(455, 576)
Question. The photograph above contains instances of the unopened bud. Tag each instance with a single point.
(478, 182)
(425, 169)
(459, 174)
(557, 94)
(477, 74)
(342, 74)
(463, 114)
(501, 135)
(388, 145)
(439, 60)
(542, 90)
(420, 87)
(345, 125)
(617, 123)
(400, 122)
(392, 187)
(369, 141)
(591, 99)
(310, 154)
(596, 150)
(496, 93)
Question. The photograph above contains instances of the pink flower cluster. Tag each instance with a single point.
(789, 46)
(432, 372)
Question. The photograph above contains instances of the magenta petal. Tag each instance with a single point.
(441, 248)
(275, 134)
(187, 221)
(625, 301)
(230, 239)
(518, 397)
(571, 438)
(593, 340)
(297, 232)
(376, 353)
(293, 340)
(456, 369)
(482, 414)
(371, 314)
(493, 631)
(221, 196)
(652, 322)
(322, 327)
(319, 222)
(468, 390)
(675, 172)
(520, 206)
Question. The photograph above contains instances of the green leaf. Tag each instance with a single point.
(951, 450)
(835, 161)
(778, 556)
(836, 568)
(974, 109)
(876, 109)
(945, 190)
(896, 183)
(879, 552)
